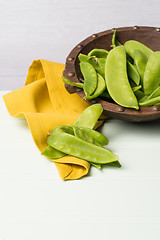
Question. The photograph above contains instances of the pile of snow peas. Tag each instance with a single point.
(128, 74)
(80, 140)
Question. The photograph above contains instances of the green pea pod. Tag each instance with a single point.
(115, 42)
(152, 73)
(117, 80)
(144, 99)
(141, 61)
(92, 60)
(90, 78)
(99, 53)
(101, 62)
(76, 147)
(89, 116)
(97, 63)
(150, 102)
(133, 73)
(52, 153)
(88, 119)
(67, 81)
(131, 46)
(84, 133)
(156, 93)
(136, 88)
(100, 87)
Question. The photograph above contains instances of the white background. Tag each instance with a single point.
(49, 29)
(35, 203)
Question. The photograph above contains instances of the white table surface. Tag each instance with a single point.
(109, 204)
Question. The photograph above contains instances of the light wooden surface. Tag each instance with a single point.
(49, 29)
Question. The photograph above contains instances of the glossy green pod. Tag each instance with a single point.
(100, 87)
(152, 74)
(149, 102)
(140, 61)
(89, 116)
(131, 46)
(76, 147)
(99, 53)
(133, 73)
(90, 78)
(117, 80)
(156, 93)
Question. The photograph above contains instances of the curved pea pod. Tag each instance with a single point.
(52, 153)
(91, 60)
(140, 60)
(117, 80)
(90, 77)
(133, 73)
(101, 62)
(83, 133)
(99, 53)
(152, 74)
(156, 93)
(76, 147)
(131, 46)
(100, 87)
(67, 81)
(136, 88)
(89, 116)
(150, 102)
(115, 42)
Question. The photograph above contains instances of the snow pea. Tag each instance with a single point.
(76, 147)
(133, 73)
(67, 81)
(99, 53)
(131, 70)
(131, 46)
(90, 78)
(52, 153)
(101, 62)
(97, 63)
(136, 88)
(152, 73)
(140, 60)
(83, 134)
(100, 87)
(156, 93)
(115, 42)
(95, 138)
(117, 80)
(149, 102)
(89, 116)
(91, 60)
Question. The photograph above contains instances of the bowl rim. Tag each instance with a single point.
(111, 109)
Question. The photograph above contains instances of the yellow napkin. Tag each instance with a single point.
(45, 104)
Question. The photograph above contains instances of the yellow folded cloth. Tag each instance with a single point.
(45, 104)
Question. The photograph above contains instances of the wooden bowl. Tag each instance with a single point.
(149, 36)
